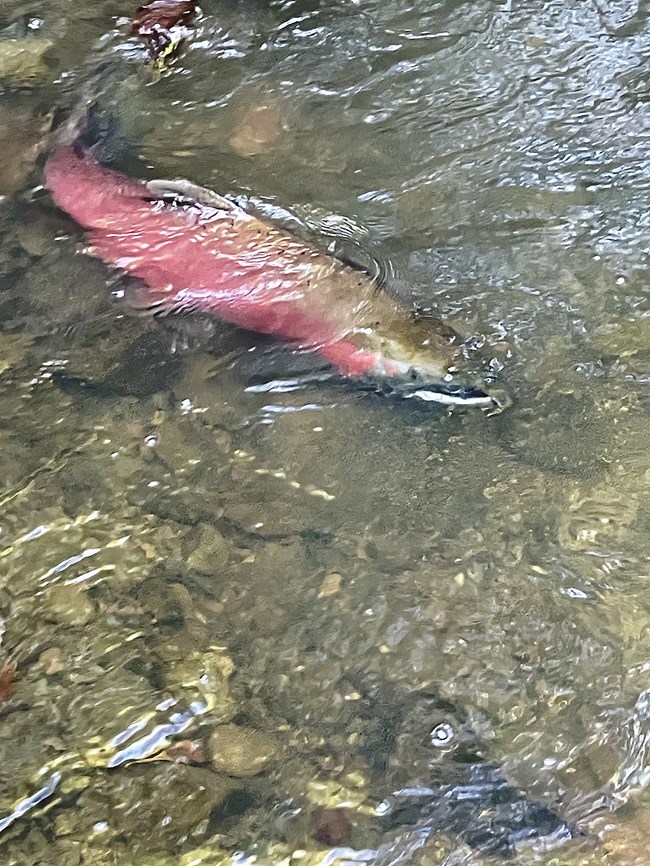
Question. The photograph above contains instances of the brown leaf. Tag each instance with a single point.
(155, 21)
(7, 675)
(187, 752)
(182, 752)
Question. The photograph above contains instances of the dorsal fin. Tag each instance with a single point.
(186, 192)
(337, 236)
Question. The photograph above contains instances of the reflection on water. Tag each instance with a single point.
(298, 623)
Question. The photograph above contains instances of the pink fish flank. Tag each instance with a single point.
(224, 261)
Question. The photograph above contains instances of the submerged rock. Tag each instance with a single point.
(280, 562)
(331, 585)
(68, 605)
(22, 61)
(155, 805)
(22, 138)
(176, 443)
(212, 552)
(330, 826)
(240, 751)
(205, 676)
(50, 661)
(259, 130)
(13, 348)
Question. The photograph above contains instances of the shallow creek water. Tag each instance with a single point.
(243, 617)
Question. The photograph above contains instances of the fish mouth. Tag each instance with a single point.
(468, 397)
(413, 385)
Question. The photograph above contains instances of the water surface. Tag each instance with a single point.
(184, 550)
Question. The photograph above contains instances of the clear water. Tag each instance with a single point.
(387, 593)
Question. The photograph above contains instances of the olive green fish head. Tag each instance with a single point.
(420, 358)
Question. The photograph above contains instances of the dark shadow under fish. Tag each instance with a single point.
(485, 812)
(432, 753)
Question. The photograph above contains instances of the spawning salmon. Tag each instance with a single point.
(196, 251)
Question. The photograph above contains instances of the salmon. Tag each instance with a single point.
(193, 250)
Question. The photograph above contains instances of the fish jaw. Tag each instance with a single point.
(448, 389)
(412, 357)
(407, 382)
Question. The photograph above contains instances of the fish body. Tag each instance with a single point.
(193, 250)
